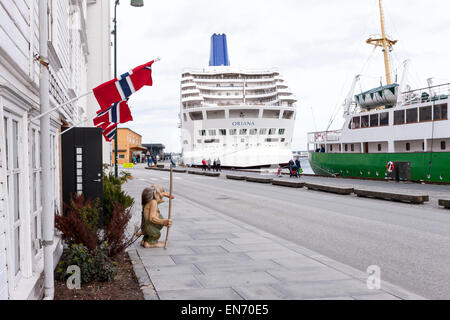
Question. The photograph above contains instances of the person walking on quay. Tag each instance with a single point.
(209, 164)
(219, 168)
(299, 166)
(215, 165)
(293, 168)
(203, 165)
(279, 170)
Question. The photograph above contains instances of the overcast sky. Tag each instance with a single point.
(318, 46)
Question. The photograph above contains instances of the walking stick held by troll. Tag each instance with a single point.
(170, 205)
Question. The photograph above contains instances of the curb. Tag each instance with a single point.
(145, 283)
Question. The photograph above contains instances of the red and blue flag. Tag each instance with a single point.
(109, 130)
(118, 112)
(121, 88)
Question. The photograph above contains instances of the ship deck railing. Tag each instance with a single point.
(277, 104)
(429, 94)
(324, 136)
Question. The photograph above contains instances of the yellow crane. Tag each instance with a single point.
(386, 43)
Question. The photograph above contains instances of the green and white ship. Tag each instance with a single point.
(390, 132)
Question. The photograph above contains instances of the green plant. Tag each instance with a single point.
(88, 210)
(93, 266)
(79, 224)
(125, 176)
(114, 231)
(113, 195)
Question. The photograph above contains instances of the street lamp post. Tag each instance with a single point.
(134, 3)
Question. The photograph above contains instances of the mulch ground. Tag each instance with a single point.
(124, 287)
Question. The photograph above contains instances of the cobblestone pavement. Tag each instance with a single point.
(213, 256)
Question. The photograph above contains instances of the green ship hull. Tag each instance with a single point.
(425, 166)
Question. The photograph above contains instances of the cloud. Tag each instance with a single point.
(318, 46)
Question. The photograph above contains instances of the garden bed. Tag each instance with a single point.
(124, 287)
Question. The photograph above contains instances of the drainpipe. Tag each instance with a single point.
(47, 213)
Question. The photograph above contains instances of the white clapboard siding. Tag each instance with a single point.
(14, 34)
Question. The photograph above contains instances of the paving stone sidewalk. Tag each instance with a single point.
(214, 257)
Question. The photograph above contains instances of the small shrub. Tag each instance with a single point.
(79, 223)
(93, 266)
(125, 176)
(114, 231)
(88, 210)
(112, 195)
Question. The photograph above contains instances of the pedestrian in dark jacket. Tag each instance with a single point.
(298, 164)
(219, 165)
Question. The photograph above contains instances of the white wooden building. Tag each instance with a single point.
(75, 39)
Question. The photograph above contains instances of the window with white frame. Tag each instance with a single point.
(35, 196)
(14, 178)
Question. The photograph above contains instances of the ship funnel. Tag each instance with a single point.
(219, 51)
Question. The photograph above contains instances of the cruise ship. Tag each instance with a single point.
(243, 117)
(390, 132)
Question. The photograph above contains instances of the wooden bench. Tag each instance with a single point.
(258, 179)
(328, 188)
(211, 174)
(155, 168)
(203, 173)
(392, 196)
(234, 177)
(200, 173)
(291, 184)
(444, 203)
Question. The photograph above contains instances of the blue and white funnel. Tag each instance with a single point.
(219, 51)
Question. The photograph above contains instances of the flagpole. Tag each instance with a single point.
(62, 105)
(116, 168)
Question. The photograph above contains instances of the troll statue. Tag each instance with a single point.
(152, 220)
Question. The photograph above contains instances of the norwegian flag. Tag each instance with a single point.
(121, 88)
(119, 112)
(109, 131)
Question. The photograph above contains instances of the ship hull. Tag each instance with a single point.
(374, 165)
(247, 158)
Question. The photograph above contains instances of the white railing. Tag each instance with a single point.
(227, 69)
(239, 87)
(190, 92)
(192, 98)
(429, 94)
(290, 97)
(260, 95)
(324, 136)
(188, 84)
